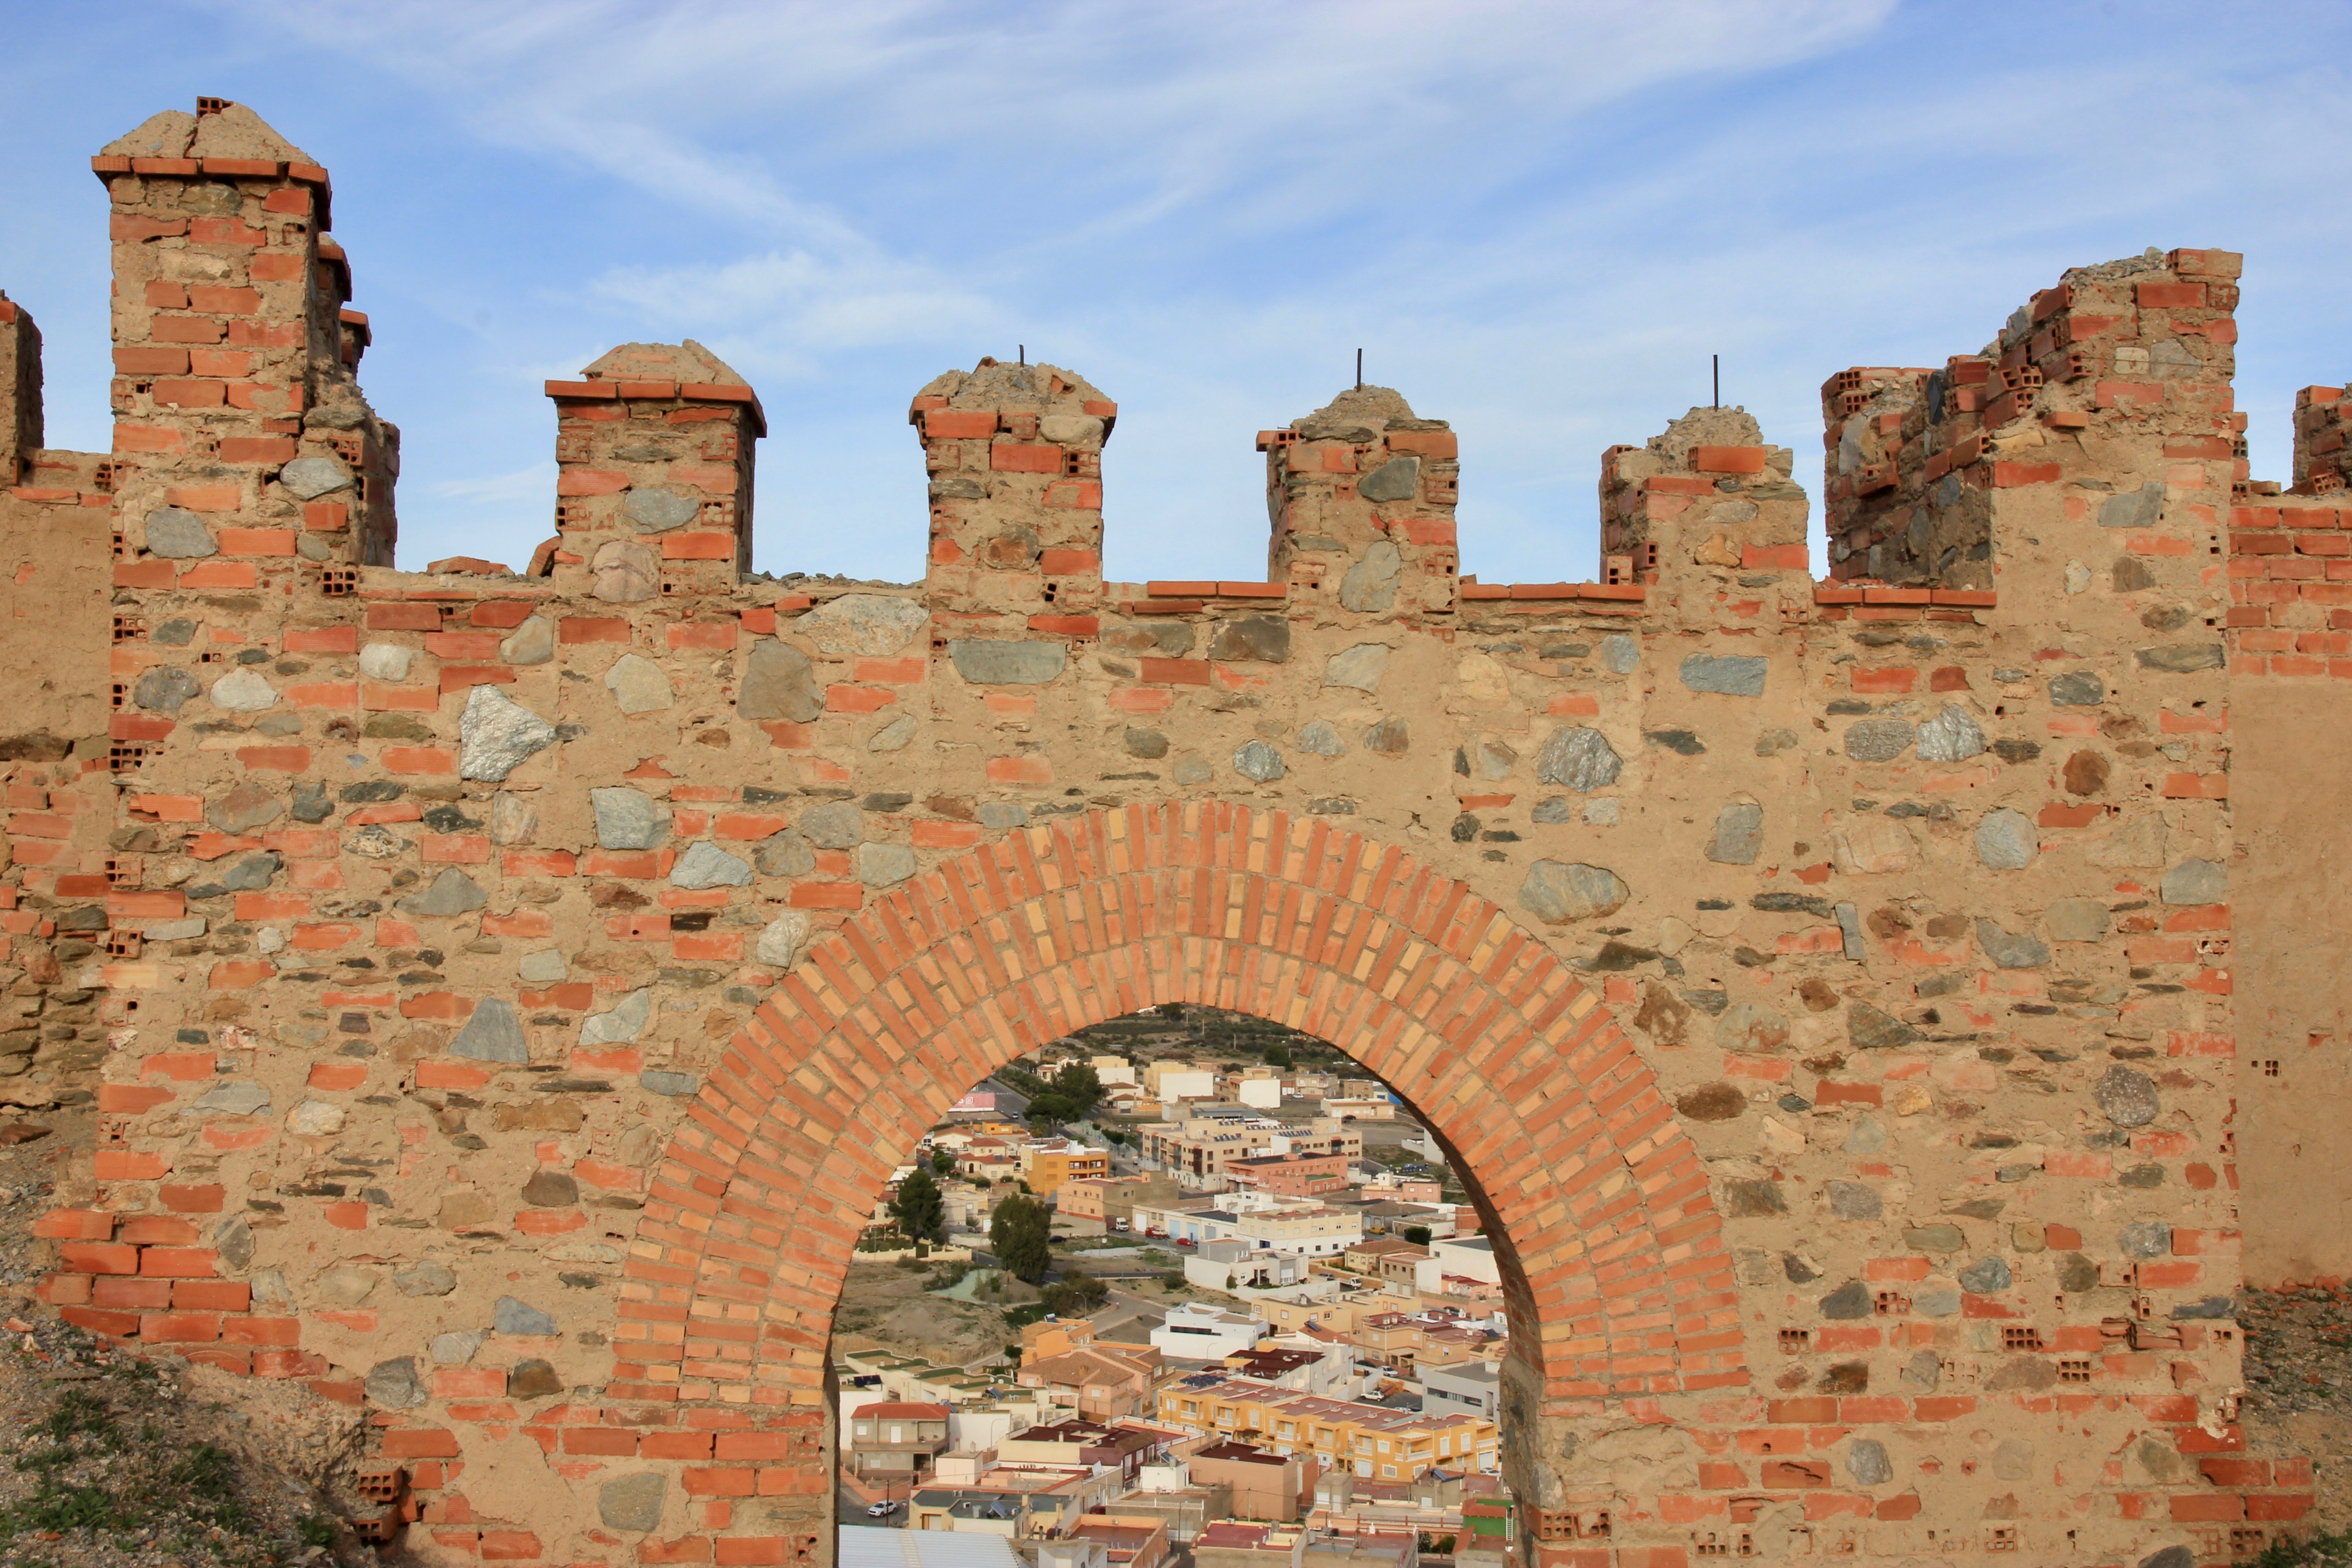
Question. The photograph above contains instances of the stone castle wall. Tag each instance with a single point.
(507, 993)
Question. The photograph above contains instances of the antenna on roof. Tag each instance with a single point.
(1717, 361)
(1359, 370)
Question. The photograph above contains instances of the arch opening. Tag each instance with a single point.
(1256, 1248)
(1597, 1199)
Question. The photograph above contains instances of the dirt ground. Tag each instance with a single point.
(2299, 1389)
(892, 1308)
(117, 1461)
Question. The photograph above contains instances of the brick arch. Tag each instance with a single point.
(1615, 1274)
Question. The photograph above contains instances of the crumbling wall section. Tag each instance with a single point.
(56, 516)
(2322, 465)
(2149, 338)
(20, 390)
(1362, 495)
(1709, 491)
(229, 357)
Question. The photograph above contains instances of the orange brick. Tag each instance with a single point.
(322, 639)
(256, 541)
(178, 1262)
(181, 1067)
(538, 862)
(220, 574)
(716, 635)
(201, 1198)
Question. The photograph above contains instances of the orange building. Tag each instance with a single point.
(1291, 1176)
(1046, 1167)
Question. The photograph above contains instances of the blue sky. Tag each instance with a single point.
(1537, 221)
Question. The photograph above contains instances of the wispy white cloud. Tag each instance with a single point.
(1307, 106)
(781, 311)
(528, 486)
(1539, 220)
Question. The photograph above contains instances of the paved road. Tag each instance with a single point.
(1122, 1308)
(1010, 1101)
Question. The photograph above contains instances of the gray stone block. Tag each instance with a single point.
(837, 825)
(1256, 760)
(658, 511)
(2007, 840)
(884, 865)
(164, 688)
(178, 535)
(494, 1034)
(2196, 882)
(628, 818)
(452, 893)
(1738, 835)
(513, 1316)
(1951, 736)
(2008, 950)
(989, 661)
(1557, 893)
(394, 1385)
(2078, 689)
(307, 478)
(631, 1503)
(871, 624)
(1398, 478)
(1359, 667)
(1877, 739)
(637, 684)
(1580, 759)
(1262, 639)
(2133, 509)
(497, 735)
(2127, 1096)
(1731, 675)
(1369, 587)
(778, 683)
(705, 865)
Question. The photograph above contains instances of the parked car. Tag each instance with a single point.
(883, 1509)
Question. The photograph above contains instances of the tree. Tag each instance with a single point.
(1172, 1011)
(1020, 1233)
(1417, 1234)
(1077, 1291)
(1279, 1056)
(916, 1206)
(1050, 1110)
(943, 1162)
(1078, 1083)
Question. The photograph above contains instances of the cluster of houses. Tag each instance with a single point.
(1156, 1089)
(1278, 1159)
(1335, 1405)
(1221, 1433)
